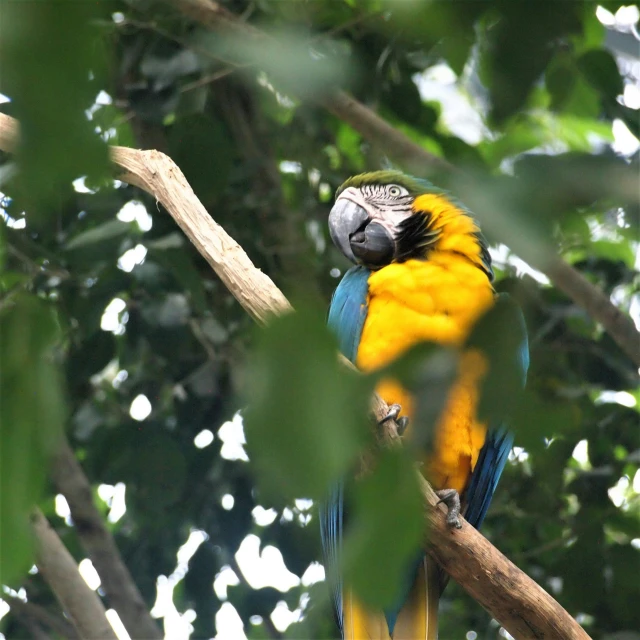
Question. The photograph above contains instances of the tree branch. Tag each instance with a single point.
(518, 603)
(59, 569)
(508, 594)
(618, 324)
(32, 611)
(399, 146)
(118, 585)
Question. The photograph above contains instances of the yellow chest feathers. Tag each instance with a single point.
(437, 300)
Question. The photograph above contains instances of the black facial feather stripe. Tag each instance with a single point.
(415, 236)
(485, 256)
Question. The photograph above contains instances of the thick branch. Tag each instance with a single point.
(118, 585)
(508, 594)
(160, 176)
(59, 569)
(518, 603)
(414, 157)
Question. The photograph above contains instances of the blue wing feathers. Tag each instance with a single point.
(348, 310)
(347, 314)
(330, 514)
(491, 460)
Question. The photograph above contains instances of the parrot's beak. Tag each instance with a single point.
(360, 239)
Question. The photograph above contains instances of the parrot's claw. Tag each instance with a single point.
(394, 412)
(451, 498)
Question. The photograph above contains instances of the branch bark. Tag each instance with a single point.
(43, 617)
(118, 585)
(508, 594)
(518, 603)
(160, 176)
(399, 146)
(59, 569)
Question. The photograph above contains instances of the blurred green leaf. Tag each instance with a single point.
(306, 419)
(613, 251)
(31, 419)
(501, 337)
(179, 263)
(427, 371)
(57, 142)
(201, 147)
(383, 545)
(520, 46)
(102, 233)
(601, 71)
(287, 57)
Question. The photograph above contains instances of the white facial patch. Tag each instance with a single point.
(387, 204)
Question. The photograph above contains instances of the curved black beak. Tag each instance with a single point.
(359, 238)
(345, 219)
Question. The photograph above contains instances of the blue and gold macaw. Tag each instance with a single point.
(423, 273)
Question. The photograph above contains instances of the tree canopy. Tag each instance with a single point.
(116, 336)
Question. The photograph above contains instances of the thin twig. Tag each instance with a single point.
(209, 79)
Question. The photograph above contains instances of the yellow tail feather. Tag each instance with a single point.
(361, 624)
(418, 619)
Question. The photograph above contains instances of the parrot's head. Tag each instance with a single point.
(387, 216)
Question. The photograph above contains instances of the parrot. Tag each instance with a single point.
(422, 272)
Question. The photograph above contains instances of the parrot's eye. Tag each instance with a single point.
(395, 191)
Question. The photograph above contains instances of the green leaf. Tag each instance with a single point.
(519, 48)
(102, 233)
(601, 71)
(616, 251)
(179, 263)
(31, 418)
(90, 357)
(500, 336)
(201, 146)
(52, 48)
(287, 57)
(385, 540)
(427, 371)
(533, 420)
(306, 419)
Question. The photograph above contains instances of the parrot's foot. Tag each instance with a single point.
(451, 498)
(394, 412)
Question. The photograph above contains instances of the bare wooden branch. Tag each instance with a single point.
(399, 146)
(518, 603)
(157, 174)
(59, 569)
(119, 587)
(508, 594)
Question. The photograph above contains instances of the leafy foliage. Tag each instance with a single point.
(103, 301)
